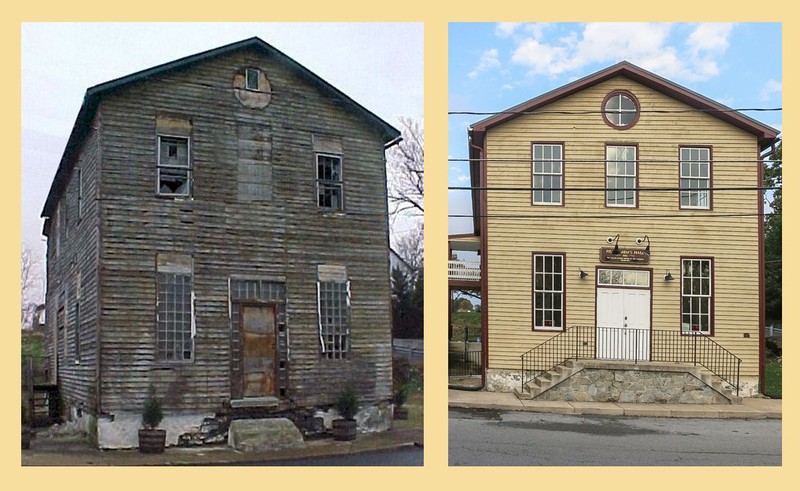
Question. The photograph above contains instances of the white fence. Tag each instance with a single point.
(464, 270)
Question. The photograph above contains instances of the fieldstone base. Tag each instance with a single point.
(370, 419)
(251, 435)
(633, 385)
(502, 380)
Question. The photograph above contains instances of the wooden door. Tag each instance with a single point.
(623, 324)
(258, 335)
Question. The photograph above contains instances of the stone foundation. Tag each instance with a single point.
(122, 431)
(634, 385)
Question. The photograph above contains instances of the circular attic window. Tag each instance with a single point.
(252, 88)
(620, 109)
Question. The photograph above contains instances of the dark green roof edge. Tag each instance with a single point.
(93, 95)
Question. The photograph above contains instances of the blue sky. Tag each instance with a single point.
(494, 66)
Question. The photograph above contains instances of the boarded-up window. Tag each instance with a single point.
(175, 308)
(333, 297)
(255, 162)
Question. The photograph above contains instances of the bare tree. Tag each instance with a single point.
(406, 165)
(30, 279)
(410, 247)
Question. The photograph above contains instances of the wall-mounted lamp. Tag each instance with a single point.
(616, 245)
(584, 274)
(641, 240)
(668, 276)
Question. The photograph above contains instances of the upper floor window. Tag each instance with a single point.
(621, 176)
(251, 79)
(174, 166)
(548, 173)
(620, 109)
(330, 188)
(695, 174)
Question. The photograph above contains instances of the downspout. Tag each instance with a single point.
(484, 293)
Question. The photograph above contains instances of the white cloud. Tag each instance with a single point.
(462, 178)
(710, 36)
(643, 43)
(488, 61)
(771, 87)
(507, 87)
(506, 29)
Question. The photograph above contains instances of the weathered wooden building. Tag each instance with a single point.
(617, 218)
(217, 228)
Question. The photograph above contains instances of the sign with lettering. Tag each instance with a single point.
(624, 256)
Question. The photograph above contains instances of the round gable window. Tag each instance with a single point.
(620, 109)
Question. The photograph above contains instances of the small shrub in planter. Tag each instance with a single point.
(347, 405)
(151, 438)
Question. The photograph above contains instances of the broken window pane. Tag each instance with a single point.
(330, 188)
(174, 169)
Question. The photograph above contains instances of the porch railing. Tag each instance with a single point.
(464, 270)
(589, 342)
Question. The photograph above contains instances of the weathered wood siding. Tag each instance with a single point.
(72, 273)
(281, 238)
(516, 228)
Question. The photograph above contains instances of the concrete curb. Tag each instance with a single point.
(749, 409)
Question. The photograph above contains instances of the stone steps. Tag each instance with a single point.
(552, 378)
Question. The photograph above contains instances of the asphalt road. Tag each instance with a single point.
(407, 456)
(498, 438)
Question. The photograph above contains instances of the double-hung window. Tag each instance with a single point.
(174, 166)
(695, 177)
(548, 173)
(548, 291)
(330, 187)
(621, 176)
(697, 296)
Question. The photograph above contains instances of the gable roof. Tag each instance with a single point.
(91, 100)
(767, 136)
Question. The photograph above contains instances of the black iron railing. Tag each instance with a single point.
(464, 363)
(589, 342)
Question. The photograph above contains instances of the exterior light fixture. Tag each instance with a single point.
(584, 274)
(616, 245)
(641, 240)
(668, 276)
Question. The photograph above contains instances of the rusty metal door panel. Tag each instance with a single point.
(258, 350)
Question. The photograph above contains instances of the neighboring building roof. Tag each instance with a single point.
(91, 100)
(767, 136)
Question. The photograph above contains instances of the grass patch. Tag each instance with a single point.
(466, 322)
(773, 384)
(416, 412)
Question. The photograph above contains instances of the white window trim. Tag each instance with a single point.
(188, 167)
(709, 296)
(681, 177)
(344, 353)
(635, 177)
(339, 182)
(612, 284)
(535, 291)
(619, 110)
(560, 201)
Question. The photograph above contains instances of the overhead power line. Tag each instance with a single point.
(587, 111)
(529, 160)
(703, 216)
(522, 188)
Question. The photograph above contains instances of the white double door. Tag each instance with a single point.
(623, 324)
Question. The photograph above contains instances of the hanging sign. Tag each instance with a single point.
(625, 256)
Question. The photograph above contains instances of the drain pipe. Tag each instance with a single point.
(484, 312)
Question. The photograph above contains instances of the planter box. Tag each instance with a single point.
(400, 412)
(152, 441)
(344, 429)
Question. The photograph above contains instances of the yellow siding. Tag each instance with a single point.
(733, 242)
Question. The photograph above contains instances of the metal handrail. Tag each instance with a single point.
(581, 342)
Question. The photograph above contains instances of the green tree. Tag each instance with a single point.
(407, 304)
(772, 238)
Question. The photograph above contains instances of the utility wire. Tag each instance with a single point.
(501, 188)
(529, 160)
(704, 216)
(580, 112)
